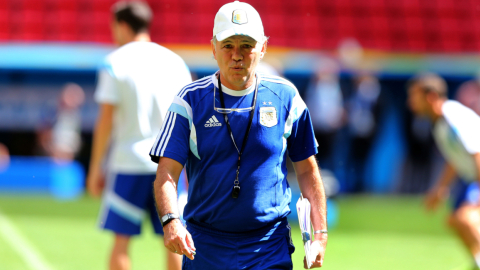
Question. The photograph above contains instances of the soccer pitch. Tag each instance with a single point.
(372, 233)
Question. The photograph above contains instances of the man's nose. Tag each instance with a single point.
(237, 55)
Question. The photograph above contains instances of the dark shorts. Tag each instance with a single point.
(127, 199)
(269, 248)
(466, 193)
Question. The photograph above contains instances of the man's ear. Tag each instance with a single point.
(126, 28)
(214, 51)
(264, 50)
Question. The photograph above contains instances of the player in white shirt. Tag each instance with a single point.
(457, 135)
(136, 86)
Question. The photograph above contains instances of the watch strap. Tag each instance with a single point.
(167, 218)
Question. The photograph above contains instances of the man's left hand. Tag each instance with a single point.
(317, 251)
(95, 182)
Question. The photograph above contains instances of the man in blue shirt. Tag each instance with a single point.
(232, 131)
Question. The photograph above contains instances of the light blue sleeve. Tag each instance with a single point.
(301, 143)
(173, 139)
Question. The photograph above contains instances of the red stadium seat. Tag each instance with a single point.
(101, 26)
(68, 25)
(312, 34)
(405, 25)
(37, 5)
(31, 27)
(171, 27)
(4, 25)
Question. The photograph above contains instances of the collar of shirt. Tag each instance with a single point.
(230, 92)
(238, 93)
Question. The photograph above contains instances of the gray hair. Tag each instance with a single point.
(214, 40)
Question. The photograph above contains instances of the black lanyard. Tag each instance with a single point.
(236, 183)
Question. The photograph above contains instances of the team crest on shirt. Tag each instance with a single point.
(239, 16)
(268, 116)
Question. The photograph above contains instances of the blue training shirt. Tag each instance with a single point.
(196, 136)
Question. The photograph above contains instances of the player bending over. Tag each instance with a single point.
(457, 134)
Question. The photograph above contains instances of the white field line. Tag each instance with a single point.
(20, 244)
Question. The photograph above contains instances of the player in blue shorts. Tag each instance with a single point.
(136, 85)
(457, 134)
(232, 131)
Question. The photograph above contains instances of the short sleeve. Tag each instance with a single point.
(470, 133)
(301, 143)
(173, 138)
(465, 124)
(106, 91)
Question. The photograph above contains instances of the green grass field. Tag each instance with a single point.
(374, 233)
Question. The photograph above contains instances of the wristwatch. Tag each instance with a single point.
(167, 218)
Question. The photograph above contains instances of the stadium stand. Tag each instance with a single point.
(405, 25)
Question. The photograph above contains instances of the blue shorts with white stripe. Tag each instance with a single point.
(127, 199)
(465, 193)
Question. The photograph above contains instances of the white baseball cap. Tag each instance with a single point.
(238, 18)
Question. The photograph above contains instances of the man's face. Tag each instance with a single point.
(237, 58)
(417, 100)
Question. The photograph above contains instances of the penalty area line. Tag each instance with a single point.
(20, 244)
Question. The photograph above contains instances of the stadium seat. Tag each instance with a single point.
(171, 27)
(37, 5)
(4, 24)
(407, 25)
(68, 25)
(32, 25)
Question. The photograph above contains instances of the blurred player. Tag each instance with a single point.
(60, 134)
(325, 100)
(4, 157)
(362, 118)
(469, 94)
(135, 88)
(66, 137)
(457, 134)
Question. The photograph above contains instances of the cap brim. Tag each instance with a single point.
(237, 32)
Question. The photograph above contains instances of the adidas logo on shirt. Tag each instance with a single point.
(213, 122)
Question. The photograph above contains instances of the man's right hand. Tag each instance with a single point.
(317, 251)
(435, 196)
(177, 239)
